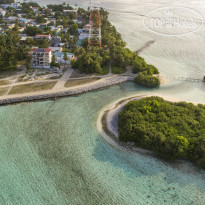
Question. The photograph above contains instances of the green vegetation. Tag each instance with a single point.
(59, 7)
(92, 59)
(10, 53)
(171, 130)
(147, 80)
(77, 74)
(139, 65)
(105, 70)
(8, 72)
(32, 87)
(76, 82)
(32, 30)
(4, 82)
(6, 1)
(54, 63)
(146, 72)
(117, 70)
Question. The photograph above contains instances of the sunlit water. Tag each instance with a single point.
(182, 56)
(51, 152)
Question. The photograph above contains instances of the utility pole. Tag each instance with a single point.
(95, 24)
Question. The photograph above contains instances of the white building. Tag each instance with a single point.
(2, 12)
(83, 36)
(15, 5)
(41, 57)
(39, 36)
(56, 49)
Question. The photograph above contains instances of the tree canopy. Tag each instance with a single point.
(171, 130)
(6, 1)
(146, 80)
(10, 50)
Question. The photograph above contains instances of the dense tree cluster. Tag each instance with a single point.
(28, 11)
(147, 80)
(10, 50)
(171, 130)
(6, 1)
(119, 55)
(91, 60)
(146, 72)
(139, 65)
(112, 40)
(32, 30)
(113, 49)
(60, 7)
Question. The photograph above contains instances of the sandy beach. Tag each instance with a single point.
(107, 122)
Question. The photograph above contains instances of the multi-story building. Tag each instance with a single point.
(41, 57)
(2, 12)
(15, 5)
(40, 36)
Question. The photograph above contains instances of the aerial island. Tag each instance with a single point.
(48, 49)
(58, 151)
(170, 129)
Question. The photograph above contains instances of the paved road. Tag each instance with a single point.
(61, 82)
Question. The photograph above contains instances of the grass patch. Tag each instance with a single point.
(4, 73)
(77, 74)
(3, 91)
(55, 77)
(76, 82)
(117, 70)
(32, 87)
(4, 82)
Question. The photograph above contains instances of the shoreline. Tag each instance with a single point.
(185, 166)
(67, 92)
(103, 83)
(108, 128)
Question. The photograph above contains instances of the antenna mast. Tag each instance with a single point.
(95, 24)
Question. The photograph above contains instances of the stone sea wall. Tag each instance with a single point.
(74, 92)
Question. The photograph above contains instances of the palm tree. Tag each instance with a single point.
(65, 57)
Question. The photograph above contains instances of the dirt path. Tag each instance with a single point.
(110, 70)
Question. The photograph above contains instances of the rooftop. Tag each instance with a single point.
(41, 50)
(60, 54)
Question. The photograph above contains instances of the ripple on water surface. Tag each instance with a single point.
(51, 153)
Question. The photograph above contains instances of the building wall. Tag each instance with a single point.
(2, 12)
(41, 59)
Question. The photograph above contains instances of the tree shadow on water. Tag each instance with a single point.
(141, 165)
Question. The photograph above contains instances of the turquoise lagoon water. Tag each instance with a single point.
(51, 153)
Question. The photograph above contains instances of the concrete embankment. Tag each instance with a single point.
(70, 92)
